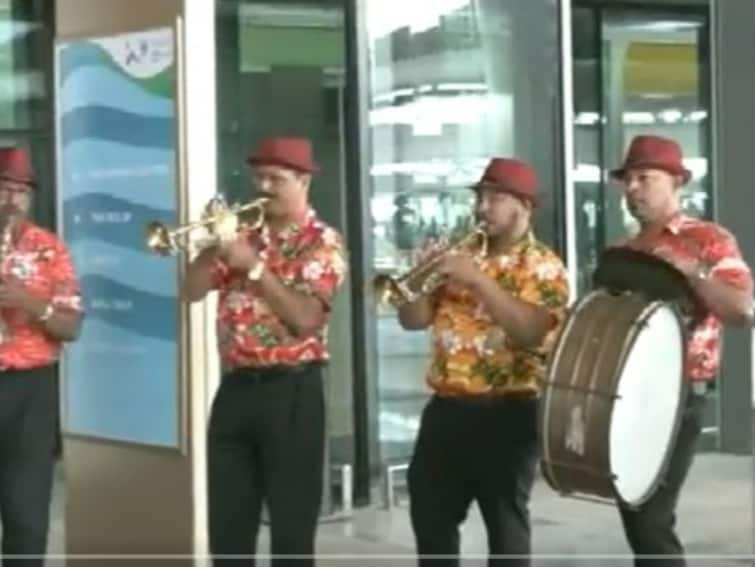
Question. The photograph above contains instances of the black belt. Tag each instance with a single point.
(490, 400)
(262, 374)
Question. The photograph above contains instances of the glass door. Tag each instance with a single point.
(281, 71)
(637, 71)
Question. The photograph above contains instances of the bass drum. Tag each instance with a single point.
(613, 398)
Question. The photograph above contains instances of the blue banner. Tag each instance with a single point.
(116, 171)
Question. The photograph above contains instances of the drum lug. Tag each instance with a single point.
(591, 499)
(582, 389)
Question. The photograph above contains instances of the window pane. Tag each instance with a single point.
(280, 72)
(654, 82)
(452, 84)
(22, 83)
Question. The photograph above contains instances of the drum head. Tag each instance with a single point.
(647, 413)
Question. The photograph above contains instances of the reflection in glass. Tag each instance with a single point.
(452, 84)
(26, 106)
(636, 72)
(22, 86)
(280, 71)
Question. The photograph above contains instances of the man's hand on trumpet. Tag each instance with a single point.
(430, 248)
(460, 269)
(239, 254)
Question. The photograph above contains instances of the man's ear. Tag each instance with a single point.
(306, 180)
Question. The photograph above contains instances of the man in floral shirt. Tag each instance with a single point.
(266, 434)
(708, 256)
(493, 323)
(40, 308)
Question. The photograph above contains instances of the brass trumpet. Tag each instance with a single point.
(423, 279)
(220, 222)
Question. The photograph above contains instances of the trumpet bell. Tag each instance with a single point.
(388, 291)
(159, 239)
(424, 278)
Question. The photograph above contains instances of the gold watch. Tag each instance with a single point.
(702, 271)
(255, 273)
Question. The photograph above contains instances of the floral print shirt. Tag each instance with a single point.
(472, 355)
(42, 262)
(309, 257)
(689, 238)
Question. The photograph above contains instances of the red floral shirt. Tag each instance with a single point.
(309, 258)
(688, 239)
(42, 262)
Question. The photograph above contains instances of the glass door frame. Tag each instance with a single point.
(700, 9)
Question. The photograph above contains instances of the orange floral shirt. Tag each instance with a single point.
(42, 262)
(474, 356)
(309, 258)
(688, 238)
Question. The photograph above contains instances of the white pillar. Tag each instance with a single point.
(567, 98)
(198, 175)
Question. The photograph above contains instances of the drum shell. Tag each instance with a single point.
(583, 372)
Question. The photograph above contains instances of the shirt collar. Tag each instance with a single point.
(675, 223)
(517, 247)
(527, 239)
(292, 230)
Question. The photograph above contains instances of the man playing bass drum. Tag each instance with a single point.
(652, 178)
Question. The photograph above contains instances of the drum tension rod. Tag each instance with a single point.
(592, 471)
(596, 393)
(593, 499)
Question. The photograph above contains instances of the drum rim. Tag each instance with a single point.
(546, 399)
(650, 307)
(646, 313)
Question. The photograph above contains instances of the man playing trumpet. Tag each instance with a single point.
(266, 434)
(492, 323)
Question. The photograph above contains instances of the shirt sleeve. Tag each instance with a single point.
(546, 284)
(66, 291)
(722, 254)
(219, 274)
(323, 268)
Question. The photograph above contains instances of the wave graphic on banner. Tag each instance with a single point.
(159, 277)
(92, 216)
(113, 125)
(113, 87)
(130, 309)
(117, 146)
(90, 54)
(138, 173)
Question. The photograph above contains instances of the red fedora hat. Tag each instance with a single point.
(294, 153)
(15, 165)
(512, 176)
(653, 152)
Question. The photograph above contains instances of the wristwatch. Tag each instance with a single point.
(256, 272)
(47, 313)
(702, 271)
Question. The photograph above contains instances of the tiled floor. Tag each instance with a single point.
(715, 522)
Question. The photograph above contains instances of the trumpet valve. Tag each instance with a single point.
(386, 290)
(225, 227)
(390, 291)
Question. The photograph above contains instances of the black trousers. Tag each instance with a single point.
(28, 422)
(266, 443)
(650, 529)
(467, 450)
